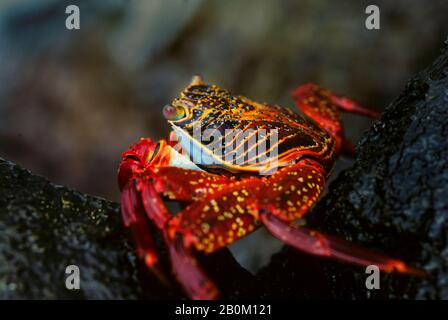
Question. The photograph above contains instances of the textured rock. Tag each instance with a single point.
(44, 228)
(393, 199)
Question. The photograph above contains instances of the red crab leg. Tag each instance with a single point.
(192, 277)
(182, 185)
(176, 184)
(130, 171)
(186, 184)
(323, 107)
(305, 182)
(208, 225)
(185, 266)
(351, 106)
(134, 218)
(222, 217)
(323, 99)
(316, 243)
(145, 171)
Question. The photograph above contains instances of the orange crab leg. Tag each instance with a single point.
(220, 218)
(306, 181)
(322, 106)
(186, 184)
(183, 185)
(223, 216)
(310, 98)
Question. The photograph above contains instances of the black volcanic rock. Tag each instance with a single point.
(45, 227)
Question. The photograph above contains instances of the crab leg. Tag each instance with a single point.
(316, 243)
(147, 173)
(306, 183)
(312, 99)
(323, 107)
(182, 185)
(133, 210)
(234, 210)
(187, 269)
(187, 184)
(216, 221)
(134, 218)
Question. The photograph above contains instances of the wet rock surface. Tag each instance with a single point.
(44, 228)
(394, 199)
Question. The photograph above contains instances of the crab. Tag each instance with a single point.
(224, 199)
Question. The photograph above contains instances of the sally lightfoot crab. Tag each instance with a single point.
(229, 186)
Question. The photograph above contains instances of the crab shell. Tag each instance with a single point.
(235, 134)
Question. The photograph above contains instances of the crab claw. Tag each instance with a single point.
(133, 160)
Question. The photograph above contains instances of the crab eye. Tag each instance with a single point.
(173, 113)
